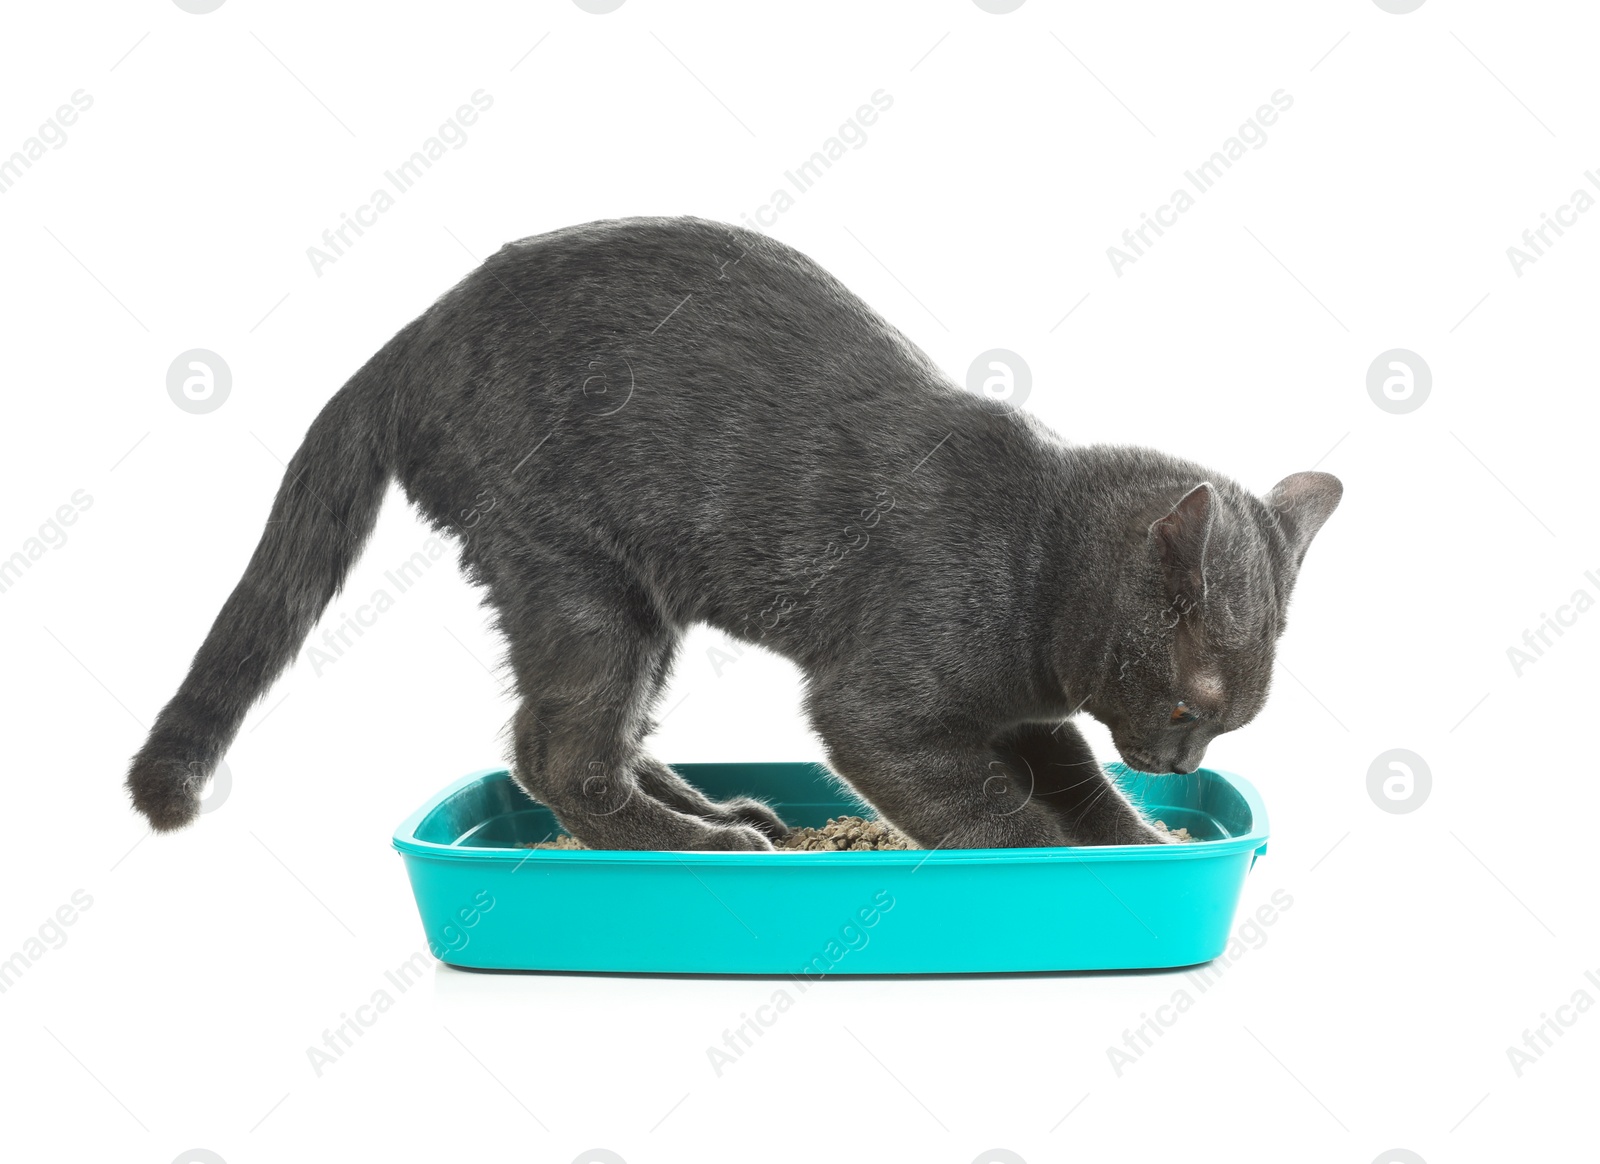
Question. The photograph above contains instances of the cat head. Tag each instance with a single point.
(1201, 605)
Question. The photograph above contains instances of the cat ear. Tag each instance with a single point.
(1180, 542)
(1302, 502)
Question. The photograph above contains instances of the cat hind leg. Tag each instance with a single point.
(586, 646)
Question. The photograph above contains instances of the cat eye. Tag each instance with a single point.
(1183, 713)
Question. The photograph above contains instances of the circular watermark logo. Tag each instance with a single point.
(1399, 381)
(198, 1155)
(598, 1156)
(1399, 781)
(608, 384)
(199, 7)
(999, 7)
(221, 786)
(1399, 1155)
(199, 381)
(1399, 8)
(1006, 793)
(604, 794)
(1001, 377)
(998, 1156)
(598, 7)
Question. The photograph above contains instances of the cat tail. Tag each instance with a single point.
(321, 518)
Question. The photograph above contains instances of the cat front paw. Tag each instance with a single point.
(746, 810)
(729, 838)
(1125, 831)
(1143, 833)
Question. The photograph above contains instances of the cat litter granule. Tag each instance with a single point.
(843, 833)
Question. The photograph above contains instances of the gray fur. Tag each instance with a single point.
(640, 425)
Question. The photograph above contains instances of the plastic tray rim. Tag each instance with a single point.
(406, 842)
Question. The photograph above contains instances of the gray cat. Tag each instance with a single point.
(639, 425)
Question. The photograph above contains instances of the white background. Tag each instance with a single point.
(1377, 1014)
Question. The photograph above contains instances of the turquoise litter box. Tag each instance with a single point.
(489, 903)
